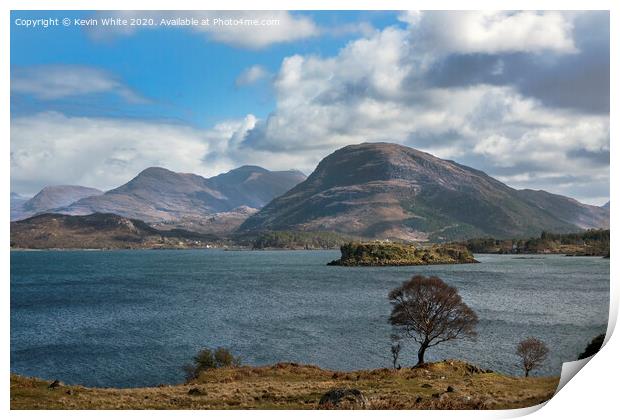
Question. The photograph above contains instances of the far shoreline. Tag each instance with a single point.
(520, 256)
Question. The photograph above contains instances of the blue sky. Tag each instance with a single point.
(184, 77)
(523, 96)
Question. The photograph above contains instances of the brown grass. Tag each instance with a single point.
(292, 386)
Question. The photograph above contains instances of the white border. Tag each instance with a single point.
(592, 395)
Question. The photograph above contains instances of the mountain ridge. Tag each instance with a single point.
(390, 191)
(158, 194)
(49, 198)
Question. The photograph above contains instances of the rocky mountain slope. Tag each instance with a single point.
(157, 194)
(384, 190)
(568, 209)
(221, 223)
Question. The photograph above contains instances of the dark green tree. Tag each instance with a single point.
(210, 359)
(593, 347)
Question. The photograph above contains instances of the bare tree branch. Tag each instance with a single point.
(431, 312)
(533, 353)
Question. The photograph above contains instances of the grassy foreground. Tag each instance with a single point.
(292, 386)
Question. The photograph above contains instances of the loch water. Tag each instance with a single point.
(134, 317)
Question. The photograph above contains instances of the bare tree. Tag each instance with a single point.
(430, 312)
(533, 353)
(395, 349)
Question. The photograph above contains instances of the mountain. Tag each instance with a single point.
(568, 209)
(253, 186)
(157, 194)
(383, 190)
(606, 205)
(17, 205)
(50, 198)
(56, 196)
(97, 231)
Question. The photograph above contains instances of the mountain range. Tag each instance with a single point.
(369, 190)
(159, 195)
(389, 191)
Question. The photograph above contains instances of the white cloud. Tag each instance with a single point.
(50, 148)
(289, 28)
(492, 32)
(251, 75)
(49, 82)
(273, 26)
(54, 149)
(342, 29)
(374, 90)
(411, 17)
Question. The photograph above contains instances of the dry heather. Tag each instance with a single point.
(443, 385)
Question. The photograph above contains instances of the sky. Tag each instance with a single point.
(522, 96)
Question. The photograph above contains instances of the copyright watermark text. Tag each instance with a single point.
(147, 21)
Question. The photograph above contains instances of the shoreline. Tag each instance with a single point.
(523, 256)
(240, 249)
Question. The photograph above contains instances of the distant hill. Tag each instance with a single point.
(221, 223)
(17, 205)
(157, 194)
(592, 242)
(56, 196)
(97, 231)
(253, 186)
(568, 209)
(606, 205)
(384, 190)
(50, 198)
